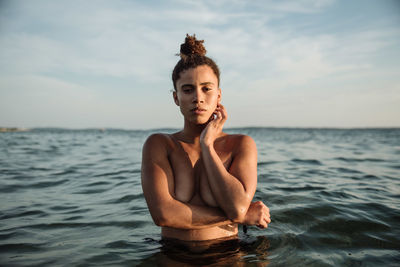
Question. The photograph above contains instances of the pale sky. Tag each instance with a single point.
(95, 64)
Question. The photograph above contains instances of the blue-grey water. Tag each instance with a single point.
(73, 198)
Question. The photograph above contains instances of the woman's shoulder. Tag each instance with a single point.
(238, 142)
(158, 141)
(157, 137)
(238, 139)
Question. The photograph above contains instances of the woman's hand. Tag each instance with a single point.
(257, 214)
(214, 127)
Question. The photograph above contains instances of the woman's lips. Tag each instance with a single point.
(198, 111)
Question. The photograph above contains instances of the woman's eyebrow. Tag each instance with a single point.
(192, 86)
(187, 85)
(207, 83)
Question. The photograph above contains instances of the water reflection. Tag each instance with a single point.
(248, 251)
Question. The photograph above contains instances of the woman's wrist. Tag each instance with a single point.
(206, 144)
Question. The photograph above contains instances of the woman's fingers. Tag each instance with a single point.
(223, 112)
(266, 219)
(219, 115)
(267, 215)
(264, 223)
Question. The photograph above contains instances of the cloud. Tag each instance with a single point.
(99, 41)
(277, 57)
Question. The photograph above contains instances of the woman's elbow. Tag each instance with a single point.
(237, 215)
(160, 222)
(160, 219)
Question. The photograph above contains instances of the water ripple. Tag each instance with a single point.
(307, 161)
(73, 197)
(359, 159)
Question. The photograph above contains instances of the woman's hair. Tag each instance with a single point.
(193, 54)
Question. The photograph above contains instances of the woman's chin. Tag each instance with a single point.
(200, 121)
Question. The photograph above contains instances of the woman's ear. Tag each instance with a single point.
(175, 95)
(219, 95)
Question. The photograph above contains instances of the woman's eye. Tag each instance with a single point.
(206, 89)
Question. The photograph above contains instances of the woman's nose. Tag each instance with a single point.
(198, 96)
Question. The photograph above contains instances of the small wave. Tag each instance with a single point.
(125, 199)
(346, 170)
(63, 207)
(307, 161)
(122, 183)
(37, 213)
(92, 191)
(107, 160)
(21, 247)
(118, 244)
(64, 172)
(343, 226)
(339, 195)
(359, 159)
(285, 241)
(74, 218)
(116, 173)
(83, 211)
(9, 171)
(38, 169)
(265, 163)
(72, 225)
(304, 215)
(397, 167)
(8, 235)
(97, 184)
(301, 188)
(21, 177)
(11, 188)
(47, 184)
(150, 240)
(78, 144)
(119, 177)
(370, 176)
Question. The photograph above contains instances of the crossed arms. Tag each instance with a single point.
(233, 190)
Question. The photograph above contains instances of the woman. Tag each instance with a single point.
(199, 182)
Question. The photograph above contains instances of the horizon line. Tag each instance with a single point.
(22, 129)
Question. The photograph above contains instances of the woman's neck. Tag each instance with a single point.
(191, 132)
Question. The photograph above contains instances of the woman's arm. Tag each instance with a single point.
(157, 183)
(233, 190)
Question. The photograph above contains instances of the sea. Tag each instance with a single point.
(74, 198)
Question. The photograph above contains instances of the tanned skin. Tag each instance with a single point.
(199, 182)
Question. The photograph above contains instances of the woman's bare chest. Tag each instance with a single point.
(190, 174)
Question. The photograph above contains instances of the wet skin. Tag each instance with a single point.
(199, 182)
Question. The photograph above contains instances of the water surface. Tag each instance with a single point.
(73, 197)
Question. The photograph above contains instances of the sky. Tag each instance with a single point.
(108, 64)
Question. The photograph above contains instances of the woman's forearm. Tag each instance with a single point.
(176, 214)
(228, 191)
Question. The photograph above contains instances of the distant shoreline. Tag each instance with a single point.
(12, 129)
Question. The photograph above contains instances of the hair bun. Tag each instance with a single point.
(192, 46)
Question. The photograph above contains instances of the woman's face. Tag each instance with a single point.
(197, 94)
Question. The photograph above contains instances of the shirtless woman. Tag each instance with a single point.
(199, 182)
